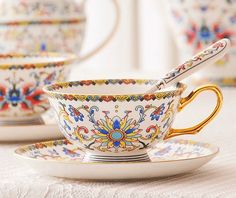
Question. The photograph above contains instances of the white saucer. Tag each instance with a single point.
(62, 159)
(48, 130)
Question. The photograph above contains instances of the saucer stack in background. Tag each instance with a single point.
(29, 32)
(22, 100)
(37, 43)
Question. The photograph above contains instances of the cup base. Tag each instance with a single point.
(141, 157)
(32, 121)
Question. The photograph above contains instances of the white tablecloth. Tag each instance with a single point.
(216, 179)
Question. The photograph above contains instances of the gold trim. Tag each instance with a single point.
(67, 59)
(52, 90)
(185, 101)
(43, 22)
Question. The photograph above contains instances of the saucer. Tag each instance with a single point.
(62, 159)
(47, 130)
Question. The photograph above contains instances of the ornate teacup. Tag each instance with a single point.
(22, 99)
(112, 120)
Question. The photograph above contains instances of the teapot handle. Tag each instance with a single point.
(108, 38)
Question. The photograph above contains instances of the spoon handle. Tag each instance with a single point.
(206, 57)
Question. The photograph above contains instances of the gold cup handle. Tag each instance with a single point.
(108, 38)
(185, 101)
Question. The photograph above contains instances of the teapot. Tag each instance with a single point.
(46, 25)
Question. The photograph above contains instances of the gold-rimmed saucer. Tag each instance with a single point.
(63, 159)
(46, 129)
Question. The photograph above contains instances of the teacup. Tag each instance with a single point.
(22, 78)
(112, 120)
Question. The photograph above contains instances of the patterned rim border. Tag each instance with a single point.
(52, 91)
(43, 22)
(22, 149)
(224, 82)
(67, 59)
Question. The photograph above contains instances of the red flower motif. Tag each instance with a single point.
(4, 105)
(107, 98)
(86, 106)
(86, 82)
(40, 145)
(128, 81)
(149, 97)
(218, 45)
(69, 97)
(2, 93)
(33, 96)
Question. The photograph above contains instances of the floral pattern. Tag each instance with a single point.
(16, 93)
(66, 60)
(108, 98)
(198, 24)
(212, 51)
(155, 115)
(75, 113)
(43, 36)
(39, 9)
(205, 30)
(198, 37)
(22, 79)
(168, 150)
(114, 133)
(33, 26)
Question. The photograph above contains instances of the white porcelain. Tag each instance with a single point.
(46, 25)
(47, 130)
(62, 159)
(21, 81)
(205, 58)
(112, 120)
(41, 9)
(27, 38)
(198, 23)
(39, 25)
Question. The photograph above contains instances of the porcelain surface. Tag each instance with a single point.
(199, 23)
(21, 81)
(47, 130)
(47, 26)
(51, 36)
(13, 10)
(33, 26)
(63, 159)
(113, 120)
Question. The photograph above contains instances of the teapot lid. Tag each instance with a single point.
(16, 10)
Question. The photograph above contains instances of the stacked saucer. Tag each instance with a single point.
(111, 125)
(23, 104)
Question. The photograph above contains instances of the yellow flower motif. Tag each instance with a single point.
(116, 132)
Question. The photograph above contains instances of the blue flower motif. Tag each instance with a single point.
(205, 34)
(70, 153)
(67, 126)
(76, 114)
(50, 78)
(117, 132)
(155, 115)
